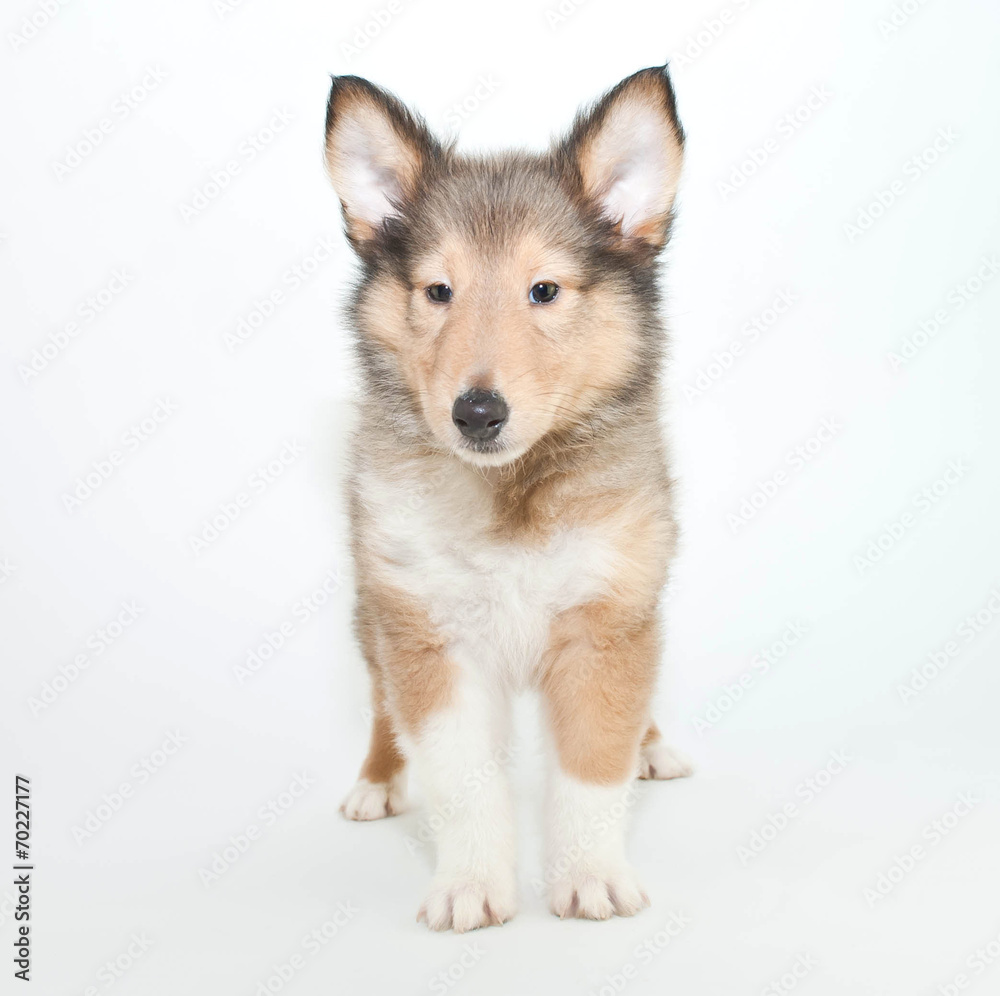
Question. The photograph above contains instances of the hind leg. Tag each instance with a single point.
(657, 760)
(381, 786)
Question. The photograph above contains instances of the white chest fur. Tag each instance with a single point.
(493, 601)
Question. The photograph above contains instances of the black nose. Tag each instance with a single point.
(479, 414)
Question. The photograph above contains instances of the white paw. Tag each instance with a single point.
(467, 902)
(657, 760)
(596, 893)
(373, 800)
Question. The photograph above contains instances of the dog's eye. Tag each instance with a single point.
(439, 293)
(543, 292)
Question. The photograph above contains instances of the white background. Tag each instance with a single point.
(70, 218)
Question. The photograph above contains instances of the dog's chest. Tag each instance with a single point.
(492, 600)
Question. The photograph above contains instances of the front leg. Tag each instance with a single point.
(455, 729)
(597, 682)
(459, 756)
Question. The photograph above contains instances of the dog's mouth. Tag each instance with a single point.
(488, 452)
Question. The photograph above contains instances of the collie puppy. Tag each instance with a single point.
(510, 498)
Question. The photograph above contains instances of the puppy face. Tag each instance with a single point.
(504, 298)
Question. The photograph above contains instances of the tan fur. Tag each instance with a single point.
(651, 736)
(409, 669)
(597, 679)
(384, 758)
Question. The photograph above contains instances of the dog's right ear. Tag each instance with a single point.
(375, 152)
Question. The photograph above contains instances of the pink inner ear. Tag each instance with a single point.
(639, 158)
(630, 161)
(362, 171)
(371, 163)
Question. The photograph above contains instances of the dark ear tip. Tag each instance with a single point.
(340, 85)
(662, 74)
(659, 73)
(349, 82)
(658, 76)
(357, 84)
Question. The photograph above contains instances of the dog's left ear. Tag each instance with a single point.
(627, 153)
